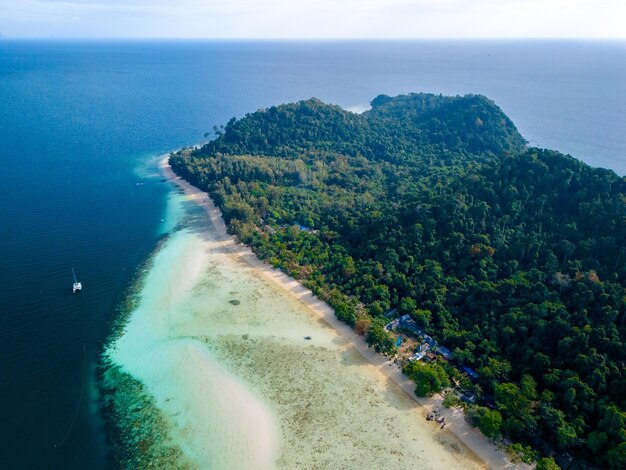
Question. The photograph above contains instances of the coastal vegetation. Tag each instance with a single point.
(511, 257)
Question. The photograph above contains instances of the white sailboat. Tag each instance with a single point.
(77, 286)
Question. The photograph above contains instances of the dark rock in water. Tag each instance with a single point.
(308, 338)
(234, 302)
(246, 336)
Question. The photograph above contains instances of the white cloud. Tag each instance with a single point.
(314, 18)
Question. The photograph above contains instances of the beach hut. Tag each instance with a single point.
(470, 372)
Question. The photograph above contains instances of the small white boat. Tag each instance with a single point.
(77, 286)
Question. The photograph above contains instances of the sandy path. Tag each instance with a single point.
(486, 451)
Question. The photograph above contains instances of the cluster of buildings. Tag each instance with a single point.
(428, 349)
(303, 228)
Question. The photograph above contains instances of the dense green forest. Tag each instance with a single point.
(513, 257)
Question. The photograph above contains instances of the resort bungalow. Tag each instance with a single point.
(390, 313)
(470, 372)
(392, 325)
(407, 323)
(469, 398)
(444, 352)
(304, 228)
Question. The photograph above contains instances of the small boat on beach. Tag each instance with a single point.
(77, 286)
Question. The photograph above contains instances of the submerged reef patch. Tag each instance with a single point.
(136, 428)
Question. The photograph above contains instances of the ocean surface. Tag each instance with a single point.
(81, 123)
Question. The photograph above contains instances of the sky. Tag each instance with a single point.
(309, 19)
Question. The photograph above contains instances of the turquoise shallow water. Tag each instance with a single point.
(80, 124)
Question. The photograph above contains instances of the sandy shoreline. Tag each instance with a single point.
(483, 449)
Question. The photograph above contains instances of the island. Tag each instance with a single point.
(489, 271)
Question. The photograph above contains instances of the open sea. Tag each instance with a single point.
(81, 123)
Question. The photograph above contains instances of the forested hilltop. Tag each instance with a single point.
(514, 258)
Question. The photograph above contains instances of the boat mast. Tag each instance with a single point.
(77, 286)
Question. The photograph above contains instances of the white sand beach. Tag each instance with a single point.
(218, 341)
(214, 418)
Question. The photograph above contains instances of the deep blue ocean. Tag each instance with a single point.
(82, 122)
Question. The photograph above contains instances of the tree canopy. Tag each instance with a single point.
(511, 257)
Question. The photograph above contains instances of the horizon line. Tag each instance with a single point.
(307, 39)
